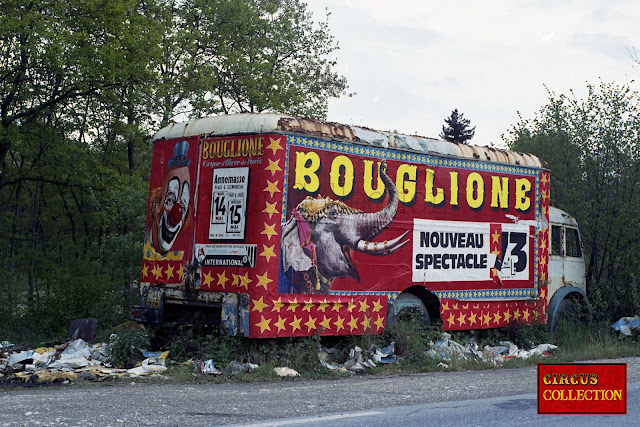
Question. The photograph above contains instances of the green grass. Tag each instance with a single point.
(575, 341)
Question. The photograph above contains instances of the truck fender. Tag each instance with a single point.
(558, 297)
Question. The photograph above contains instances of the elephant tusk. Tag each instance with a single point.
(382, 248)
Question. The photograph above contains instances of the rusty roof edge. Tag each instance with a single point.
(271, 122)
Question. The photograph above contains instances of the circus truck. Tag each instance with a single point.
(265, 225)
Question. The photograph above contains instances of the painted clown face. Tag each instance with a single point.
(170, 210)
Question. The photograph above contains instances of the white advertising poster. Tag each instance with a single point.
(229, 203)
(226, 255)
(451, 251)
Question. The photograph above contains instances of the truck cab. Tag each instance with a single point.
(567, 273)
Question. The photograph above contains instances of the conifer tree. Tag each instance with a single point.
(457, 128)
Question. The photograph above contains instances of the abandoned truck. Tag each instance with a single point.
(269, 226)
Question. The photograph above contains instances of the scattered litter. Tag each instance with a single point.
(446, 349)
(627, 326)
(207, 367)
(69, 362)
(242, 368)
(384, 355)
(286, 372)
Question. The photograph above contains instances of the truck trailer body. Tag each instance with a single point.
(270, 225)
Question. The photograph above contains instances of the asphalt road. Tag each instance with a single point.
(490, 397)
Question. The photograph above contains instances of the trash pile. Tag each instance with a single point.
(359, 360)
(444, 350)
(70, 361)
(447, 349)
(628, 326)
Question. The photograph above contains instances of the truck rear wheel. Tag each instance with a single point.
(408, 305)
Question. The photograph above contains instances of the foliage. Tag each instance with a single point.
(83, 85)
(456, 128)
(412, 338)
(592, 147)
(123, 343)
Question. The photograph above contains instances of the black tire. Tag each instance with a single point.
(566, 310)
(411, 306)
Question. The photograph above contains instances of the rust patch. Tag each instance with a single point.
(317, 128)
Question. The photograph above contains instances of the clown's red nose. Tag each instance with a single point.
(176, 214)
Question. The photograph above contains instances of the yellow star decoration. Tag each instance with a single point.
(273, 167)
(157, 271)
(364, 306)
(462, 319)
(274, 145)
(208, 278)
(263, 280)
(496, 253)
(466, 306)
(506, 315)
(325, 323)
(308, 305)
(350, 307)
(272, 187)
(259, 305)
(339, 323)
(169, 272)
(353, 323)
(544, 178)
(472, 318)
(180, 271)
(267, 252)
(377, 306)
(451, 319)
(485, 319)
(310, 324)
(495, 236)
(269, 230)
(244, 281)
(496, 317)
(270, 209)
(323, 305)
(222, 279)
(337, 306)
(545, 210)
(455, 306)
(543, 261)
(525, 315)
(236, 280)
(280, 324)
(445, 306)
(264, 325)
(516, 315)
(277, 305)
(295, 323)
(366, 323)
(293, 305)
(543, 245)
(379, 322)
(145, 271)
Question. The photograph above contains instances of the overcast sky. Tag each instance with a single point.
(411, 62)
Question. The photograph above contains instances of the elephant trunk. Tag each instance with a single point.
(369, 225)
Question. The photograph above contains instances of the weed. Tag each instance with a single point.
(122, 345)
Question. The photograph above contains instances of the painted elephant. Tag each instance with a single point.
(318, 239)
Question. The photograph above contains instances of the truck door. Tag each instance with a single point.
(574, 269)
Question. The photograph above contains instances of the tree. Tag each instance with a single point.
(456, 128)
(592, 147)
(83, 86)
